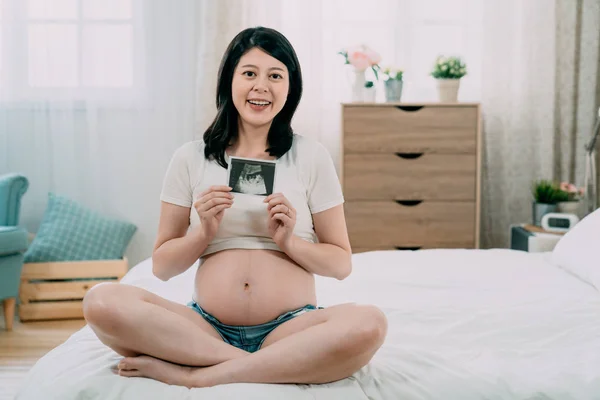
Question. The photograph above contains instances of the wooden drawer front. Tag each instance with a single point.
(429, 177)
(386, 224)
(388, 129)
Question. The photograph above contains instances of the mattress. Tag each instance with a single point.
(463, 324)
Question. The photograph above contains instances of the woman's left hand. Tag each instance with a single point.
(282, 219)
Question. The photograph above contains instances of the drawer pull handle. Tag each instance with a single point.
(409, 156)
(409, 203)
(409, 108)
(408, 248)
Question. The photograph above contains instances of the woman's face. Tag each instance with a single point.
(259, 88)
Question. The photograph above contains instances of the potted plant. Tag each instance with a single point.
(393, 84)
(362, 58)
(447, 72)
(569, 196)
(546, 195)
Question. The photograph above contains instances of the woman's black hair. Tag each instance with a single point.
(224, 128)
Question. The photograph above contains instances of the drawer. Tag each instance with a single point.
(401, 177)
(386, 224)
(417, 129)
(357, 250)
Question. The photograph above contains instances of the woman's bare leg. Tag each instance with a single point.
(331, 344)
(133, 321)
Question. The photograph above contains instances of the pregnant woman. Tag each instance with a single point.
(253, 316)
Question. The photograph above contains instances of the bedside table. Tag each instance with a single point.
(532, 239)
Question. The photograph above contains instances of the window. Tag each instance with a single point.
(70, 49)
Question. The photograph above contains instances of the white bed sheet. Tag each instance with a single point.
(463, 324)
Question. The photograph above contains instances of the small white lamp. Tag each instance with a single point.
(591, 190)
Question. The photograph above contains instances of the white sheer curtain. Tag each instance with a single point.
(518, 88)
(113, 109)
(540, 96)
(94, 98)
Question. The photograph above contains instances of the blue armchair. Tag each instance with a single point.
(13, 242)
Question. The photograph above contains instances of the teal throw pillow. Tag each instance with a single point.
(72, 232)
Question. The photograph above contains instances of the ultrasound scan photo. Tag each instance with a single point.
(251, 176)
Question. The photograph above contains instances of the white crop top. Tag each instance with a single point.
(305, 175)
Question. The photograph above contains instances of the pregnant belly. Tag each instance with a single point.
(251, 287)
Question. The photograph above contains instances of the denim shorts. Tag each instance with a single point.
(248, 338)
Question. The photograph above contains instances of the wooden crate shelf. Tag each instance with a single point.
(55, 290)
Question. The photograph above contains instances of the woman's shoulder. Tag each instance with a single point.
(193, 146)
(189, 156)
(191, 149)
(309, 156)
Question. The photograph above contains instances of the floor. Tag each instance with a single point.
(21, 348)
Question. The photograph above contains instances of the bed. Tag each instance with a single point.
(463, 324)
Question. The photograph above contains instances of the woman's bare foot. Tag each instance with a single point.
(150, 367)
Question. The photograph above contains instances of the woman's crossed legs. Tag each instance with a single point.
(319, 346)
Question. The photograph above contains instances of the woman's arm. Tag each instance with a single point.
(176, 249)
(331, 257)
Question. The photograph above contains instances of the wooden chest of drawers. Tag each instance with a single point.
(411, 175)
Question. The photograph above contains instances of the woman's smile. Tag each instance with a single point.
(258, 105)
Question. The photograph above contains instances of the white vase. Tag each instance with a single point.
(369, 94)
(570, 207)
(448, 90)
(358, 86)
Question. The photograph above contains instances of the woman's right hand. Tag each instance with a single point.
(210, 206)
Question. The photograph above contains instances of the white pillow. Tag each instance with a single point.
(578, 251)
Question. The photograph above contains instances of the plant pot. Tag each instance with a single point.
(570, 207)
(541, 209)
(448, 90)
(393, 90)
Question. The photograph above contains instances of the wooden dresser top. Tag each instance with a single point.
(425, 104)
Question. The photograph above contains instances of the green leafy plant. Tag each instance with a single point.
(393, 73)
(561, 195)
(369, 84)
(570, 192)
(449, 68)
(546, 192)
